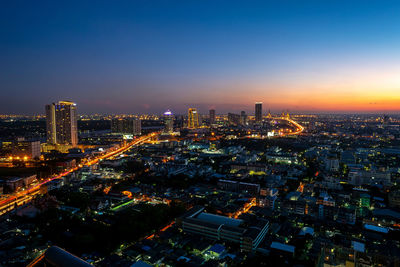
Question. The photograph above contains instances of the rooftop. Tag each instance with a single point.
(217, 219)
(283, 247)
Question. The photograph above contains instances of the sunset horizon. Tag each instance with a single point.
(136, 57)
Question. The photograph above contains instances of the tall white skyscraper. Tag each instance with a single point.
(61, 123)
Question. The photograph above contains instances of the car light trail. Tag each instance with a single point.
(161, 230)
(6, 204)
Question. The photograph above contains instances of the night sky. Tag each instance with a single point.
(148, 56)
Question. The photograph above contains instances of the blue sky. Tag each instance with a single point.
(147, 56)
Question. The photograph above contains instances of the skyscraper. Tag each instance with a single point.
(61, 123)
(212, 116)
(193, 118)
(258, 111)
(168, 122)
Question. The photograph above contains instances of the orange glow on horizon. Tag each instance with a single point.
(325, 101)
(335, 89)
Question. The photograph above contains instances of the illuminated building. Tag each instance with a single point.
(22, 149)
(26, 149)
(268, 196)
(15, 183)
(193, 118)
(212, 116)
(258, 111)
(131, 126)
(364, 201)
(61, 123)
(168, 122)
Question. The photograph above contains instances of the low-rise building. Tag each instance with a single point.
(227, 229)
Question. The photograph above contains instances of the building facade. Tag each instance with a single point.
(25, 148)
(217, 227)
(131, 126)
(168, 122)
(193, 118)
(61, 123)
(258, 111)
(212, 116)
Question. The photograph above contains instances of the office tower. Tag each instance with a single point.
(212, 116)
(243, 118)
(233, 119)
(258, 111)
(168, 122)
(61, 123)
(193, 118)
(131, 126)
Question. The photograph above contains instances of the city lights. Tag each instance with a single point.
(200, 133)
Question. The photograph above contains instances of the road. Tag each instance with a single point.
(299, 128)
(22, 197)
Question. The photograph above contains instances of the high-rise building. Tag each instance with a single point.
(168, 122)
(61, 123)
(243, 118)
(137, 127)
(212, 116)
(193, 118)
(131, 126)
(258, 111)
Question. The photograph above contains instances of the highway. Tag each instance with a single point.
(299, 128)
(22, 197)
(284, 132)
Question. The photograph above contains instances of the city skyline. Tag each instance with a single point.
(200, 133)
(311, 57)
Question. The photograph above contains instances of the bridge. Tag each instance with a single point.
(286, 117)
